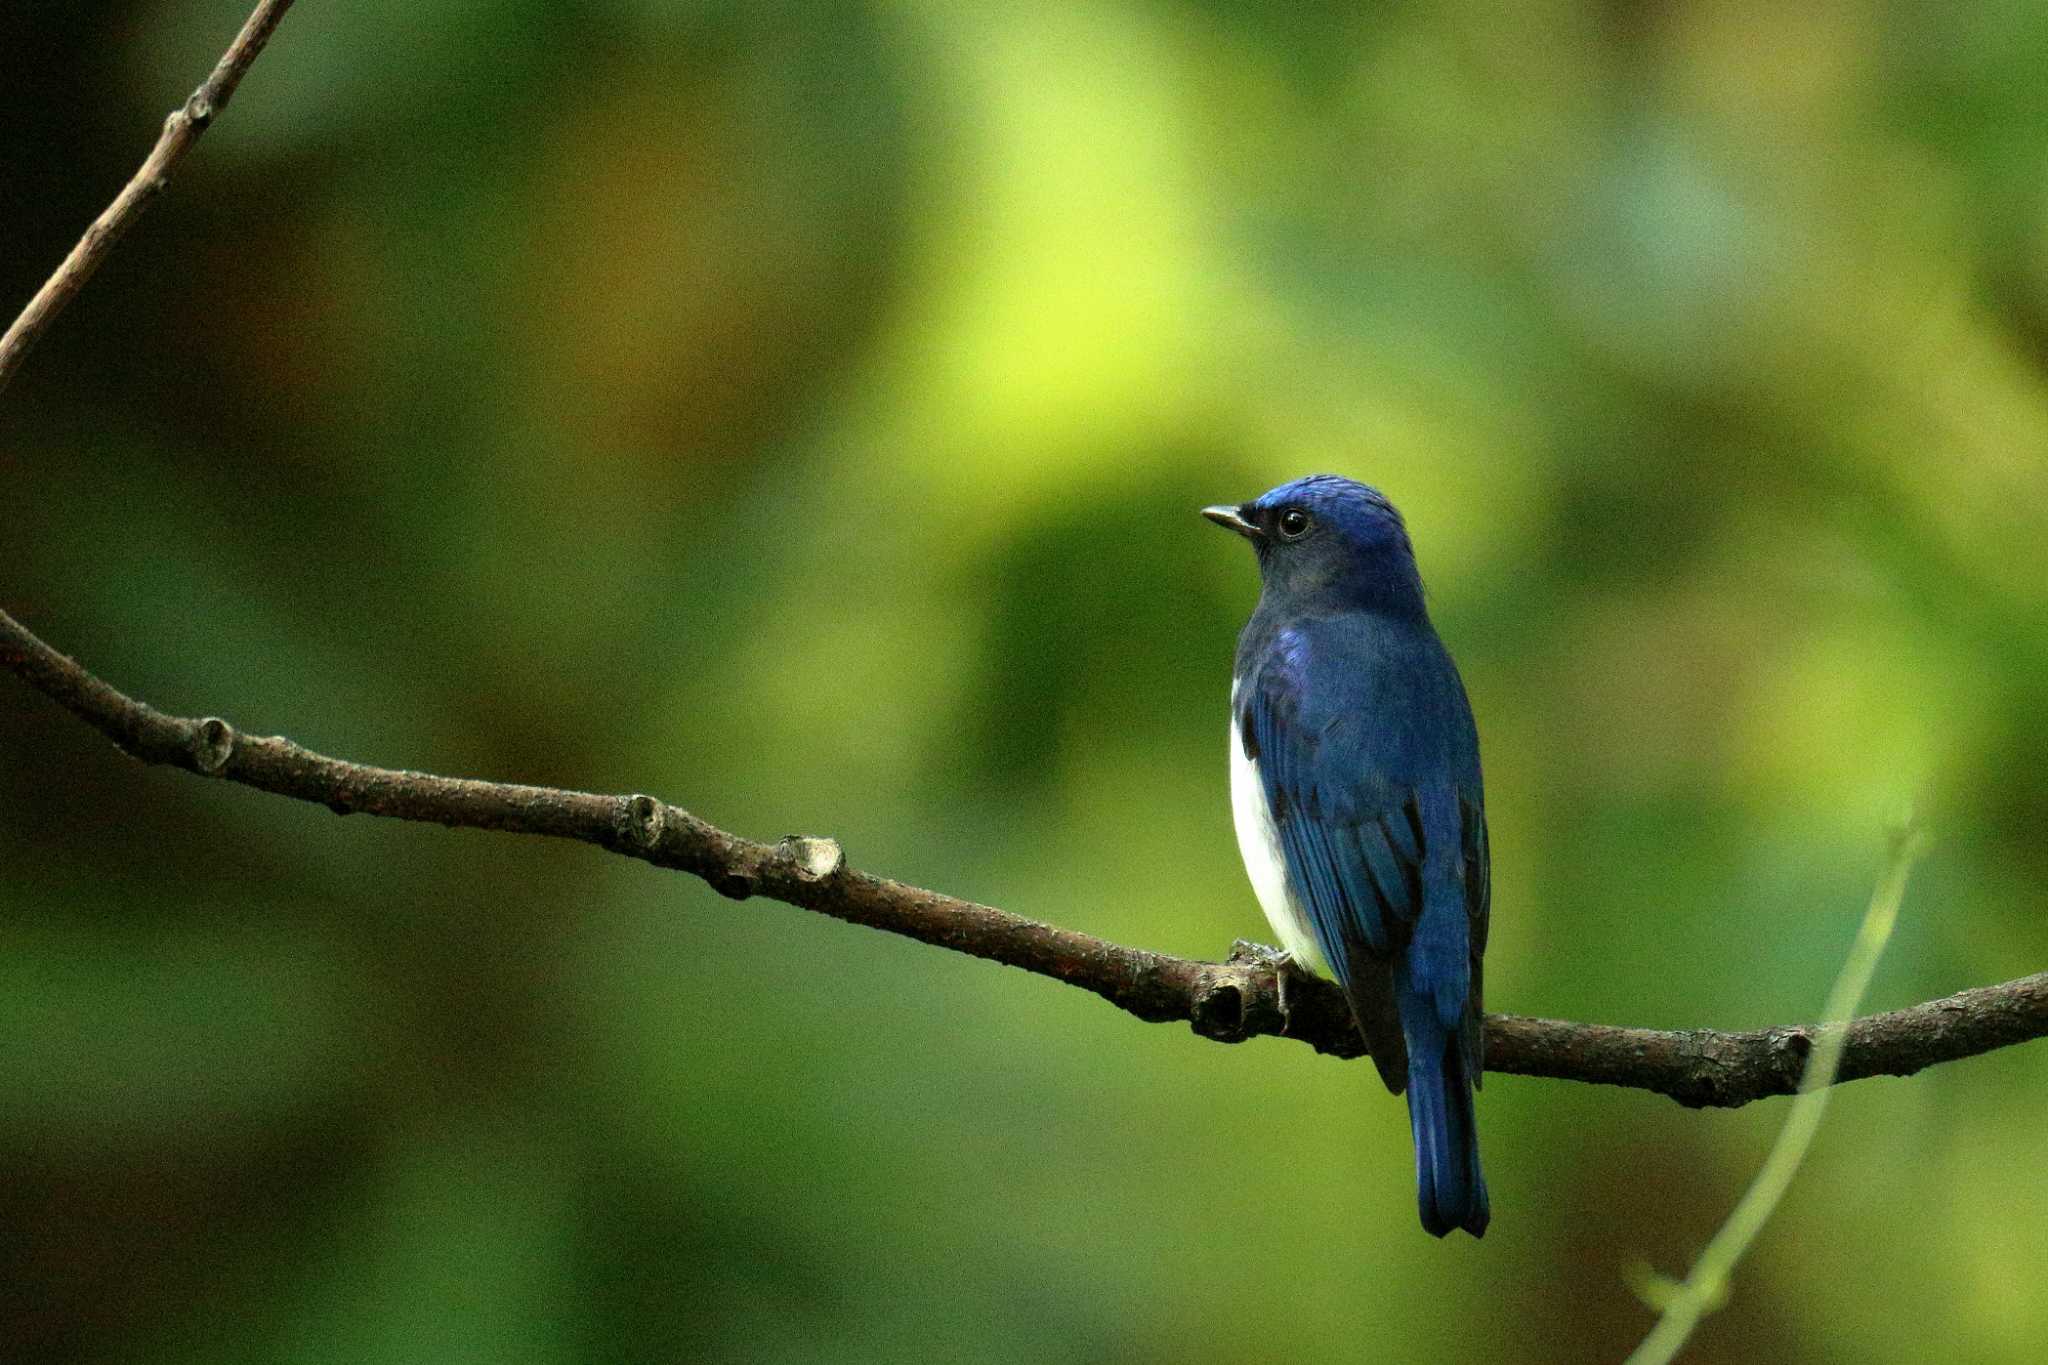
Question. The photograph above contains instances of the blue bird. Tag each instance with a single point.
(1354, 785)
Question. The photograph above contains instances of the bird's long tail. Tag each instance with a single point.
(1449, 1186)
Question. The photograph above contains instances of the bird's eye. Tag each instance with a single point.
(1294, 524)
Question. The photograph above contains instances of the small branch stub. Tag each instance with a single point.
(813, 859)
(642, 818)
(213, 744)
(1217, 1009)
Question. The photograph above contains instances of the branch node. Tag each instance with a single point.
(199, 109)
(1217, 1009)
(811, 858)
(642, 820)
(213, 743)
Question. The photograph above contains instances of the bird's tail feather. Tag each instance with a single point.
(1449, 1186)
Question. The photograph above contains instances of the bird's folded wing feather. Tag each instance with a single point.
(1353, 854)
(1353, 840)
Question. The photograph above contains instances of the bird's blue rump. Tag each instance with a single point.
(1351, 720)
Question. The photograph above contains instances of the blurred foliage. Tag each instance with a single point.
(800, 411)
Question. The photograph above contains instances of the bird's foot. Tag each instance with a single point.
(1279, 961)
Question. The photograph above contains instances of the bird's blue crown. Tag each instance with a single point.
(1325, 535)
(1360, 510)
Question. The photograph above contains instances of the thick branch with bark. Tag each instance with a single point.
(1228, 1001)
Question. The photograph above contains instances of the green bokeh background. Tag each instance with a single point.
(799, 411)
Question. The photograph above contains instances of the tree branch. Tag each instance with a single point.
(1228, 1001)
(181, 130)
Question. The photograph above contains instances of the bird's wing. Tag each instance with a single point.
(1344, 854)
(1354, 840)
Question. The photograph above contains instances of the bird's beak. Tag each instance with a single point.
(1233, 519)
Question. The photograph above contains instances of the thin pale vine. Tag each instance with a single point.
(1684, 1303)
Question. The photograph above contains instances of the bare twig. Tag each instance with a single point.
(1229, 1001)
(181, 130)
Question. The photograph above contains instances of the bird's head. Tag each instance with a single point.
(1326, 538)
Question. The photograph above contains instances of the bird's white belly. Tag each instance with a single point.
(1258, 843)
